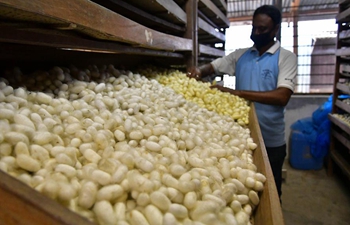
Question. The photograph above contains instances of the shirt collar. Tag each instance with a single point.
(272, 49)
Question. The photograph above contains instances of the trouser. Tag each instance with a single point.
(276, 157)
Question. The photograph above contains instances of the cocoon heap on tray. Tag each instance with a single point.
(120, 148)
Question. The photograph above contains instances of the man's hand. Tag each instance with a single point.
(225, 89)
(195, 73)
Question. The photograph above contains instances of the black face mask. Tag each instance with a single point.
(261, 40)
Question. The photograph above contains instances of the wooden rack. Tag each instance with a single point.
(340, 131)
(158, 29)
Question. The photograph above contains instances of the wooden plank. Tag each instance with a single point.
(211, 51)
(343, 87)
(343, 106)
(221, 4)
(269, 210)
(104, 24)
(212, 12)
(22, 205)
(344, 140)
(339, 123)
(343, 16)
(211, 30)
(61, 40)
(342, 52)
(341, 162)
(149, 19)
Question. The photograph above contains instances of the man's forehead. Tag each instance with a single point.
(262, 20)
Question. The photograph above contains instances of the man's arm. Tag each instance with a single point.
(279, 96)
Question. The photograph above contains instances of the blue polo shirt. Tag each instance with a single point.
(275, 68)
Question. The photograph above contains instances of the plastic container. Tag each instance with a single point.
(300, 155)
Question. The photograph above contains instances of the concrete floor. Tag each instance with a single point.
(313, 198)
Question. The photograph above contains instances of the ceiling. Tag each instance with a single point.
(242, 10)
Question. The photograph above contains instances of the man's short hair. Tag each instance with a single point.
(273, 12)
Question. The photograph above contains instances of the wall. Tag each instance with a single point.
(299, 107)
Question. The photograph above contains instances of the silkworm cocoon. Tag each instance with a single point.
(66, 192)
(63, 158)
(100, 87)
(14, 137)
(258, 186)
(69, 171)
(243, 199)
(101, 177)
(242, 217)
(28, 163)
(120, 209)
(153, 215)
(7, 114)
(236, 206)
(144, 164)
(109, 193)
(250, 182)
(160, 200)
(119, 174)
(51, 189)
(4, 167)
(260, 177)
(204, 207)
(159, 130)
(170, 181)
(211, 197)
(143, 199)
(42, 138)
(248, 209)
(176, 170)
(128, 160)
(20, 101)
(153, 146)
(73, 128)
(21, 148)
(169, 219)
(230, 219)
(185, 177)
(5, 149)
(195, 162)
(119, 135)
(43, 98)
(179, 211)
(186, 186)
(190, 200)
(174, 195)
(219, 152)
(136, 135)
(105, 213)
(254, 198)
(40, 153)
(239, 185)
(137, 218)
(91, 155)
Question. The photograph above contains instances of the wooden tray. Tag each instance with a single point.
(22, 205)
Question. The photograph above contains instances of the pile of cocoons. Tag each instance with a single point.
(119, 148)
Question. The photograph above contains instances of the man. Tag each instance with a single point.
(264, 74)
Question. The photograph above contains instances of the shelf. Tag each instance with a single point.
(341, 139)
(342, 52)
(343, 106)
(77, 19)
(343, 88)
(343, 164)
(339, 123)
(209, 9)
(343, 16)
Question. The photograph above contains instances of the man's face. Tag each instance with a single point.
(262, 24)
